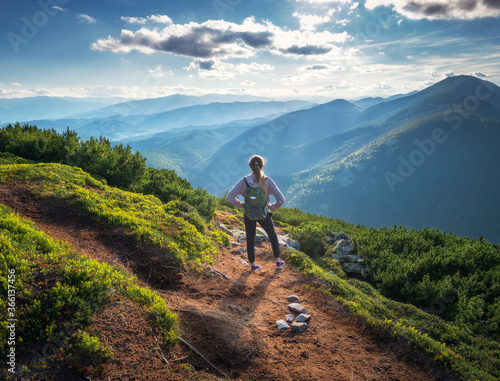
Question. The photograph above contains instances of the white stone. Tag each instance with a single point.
(303, 318)
(281, 324)
(296, 307)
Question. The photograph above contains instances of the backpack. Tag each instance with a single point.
(255, 203)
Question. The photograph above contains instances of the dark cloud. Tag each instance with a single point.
(317, 67)
(307, 50)
(218, 39)
(256, 40)
(468, 5)
(492, 3)
(190, 45)
(428, 9)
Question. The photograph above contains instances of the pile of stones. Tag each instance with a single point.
(342, 249)
(299, 314)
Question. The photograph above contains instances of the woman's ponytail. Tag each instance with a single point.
(257, 162)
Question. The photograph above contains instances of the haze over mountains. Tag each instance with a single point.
(428, 158)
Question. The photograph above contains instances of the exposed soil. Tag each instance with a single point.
(228, 315)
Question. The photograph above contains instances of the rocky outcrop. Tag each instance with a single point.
(342, 249)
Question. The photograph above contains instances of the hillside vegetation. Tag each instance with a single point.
(435, 291)
(428, 290)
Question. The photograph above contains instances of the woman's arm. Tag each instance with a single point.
(238, 189)
(272, 189)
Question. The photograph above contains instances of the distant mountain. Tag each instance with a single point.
(183, 148)
(365, 103)
(26, 109)
(152, 106)
(218, 113)
(281, 140)
(123, 127)
(437, 168)
(425, 159)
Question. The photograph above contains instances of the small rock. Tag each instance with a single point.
(354, 268)
(281, 324)
(348, 249)
(224, 229)
(291, 242)
(293, 299)
(296, 307)
(342, 243)
(353, 258)
(289, 318)
(303, 318)
(342, 235)
(299, 327)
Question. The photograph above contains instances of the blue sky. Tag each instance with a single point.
(276, 48)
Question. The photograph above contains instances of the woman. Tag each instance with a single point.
(258, 179)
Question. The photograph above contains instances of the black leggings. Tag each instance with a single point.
(268, 226)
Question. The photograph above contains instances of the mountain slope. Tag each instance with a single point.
(43, 107)
(238, 309)
(219, 113)
(345, 163)
(274, 140)
(423, 174)
(152, 106)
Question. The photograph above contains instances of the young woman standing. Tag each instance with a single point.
(264, 217)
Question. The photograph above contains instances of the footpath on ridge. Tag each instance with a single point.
(227, 315)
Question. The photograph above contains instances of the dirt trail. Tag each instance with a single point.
(229, 318)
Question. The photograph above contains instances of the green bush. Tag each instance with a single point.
(312, 238)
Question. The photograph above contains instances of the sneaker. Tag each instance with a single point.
(280, 264)
(256, 267)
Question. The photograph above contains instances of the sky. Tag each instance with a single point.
(300, 49)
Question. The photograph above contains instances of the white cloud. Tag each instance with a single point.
(57, 8)
(325, 1)
(248, 83)
(223, 39)
(440, 9)
(18, 93)
(86, 18)
(480, 75)
(309, 22)
(16, 84)
(158, 19)
(216, 69)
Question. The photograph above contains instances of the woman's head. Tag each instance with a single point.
(256, 163)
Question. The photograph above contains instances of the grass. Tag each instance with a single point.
(57, 293)
(469, 358)
(175, 227)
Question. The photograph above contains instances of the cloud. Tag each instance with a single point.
(21, 93)
(86, 18)
(248, 83)
(480, 75)
(323, 67)
(309, 22)
(441, 9)
(216, 69)
(223, 39)
(325, 1)
(57, 8)
(16, 84)
(157, 19)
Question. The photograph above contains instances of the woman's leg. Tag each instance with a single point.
(250, 231)
(268, 227)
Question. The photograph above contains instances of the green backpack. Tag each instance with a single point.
(255, 203)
